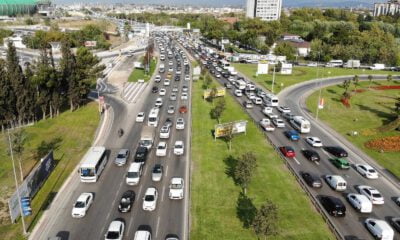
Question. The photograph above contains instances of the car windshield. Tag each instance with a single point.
(121, 155)
(176, 186)
(79, 204)
(161, 147)
(133, 174)
(112, 235)
(157, 170)
(371, 171)
(178, 146)
(87, 172)
(149, 198)
(376, 195)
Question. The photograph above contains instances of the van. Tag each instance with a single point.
(134, 173)
(380, 229)
(360, 202)
(336, 182)
(142, 235)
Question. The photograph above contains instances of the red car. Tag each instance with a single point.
(183, 109)
(287, 151)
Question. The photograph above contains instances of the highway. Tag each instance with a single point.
(169, 217)
(352, 225)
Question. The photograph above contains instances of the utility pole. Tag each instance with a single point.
(319, 95)
(16, 183)
(273, 80)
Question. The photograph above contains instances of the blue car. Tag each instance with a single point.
(292, 135)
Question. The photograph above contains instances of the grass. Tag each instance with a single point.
(74, 131)
(214, 195)
(369, 110)
(137, 73)
(300, 74)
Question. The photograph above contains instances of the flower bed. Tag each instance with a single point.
(388, 144)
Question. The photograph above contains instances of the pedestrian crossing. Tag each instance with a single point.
(132, 91)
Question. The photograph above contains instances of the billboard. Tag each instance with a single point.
(31, 185)
(222, 130)
(90, 43)
(262, 67)
(220, 92)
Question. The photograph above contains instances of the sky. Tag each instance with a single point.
(287, 3)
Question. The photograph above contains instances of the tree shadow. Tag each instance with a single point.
(331, 91)
(230, 163)
(45, 147)
(245, 210)
(387, 117)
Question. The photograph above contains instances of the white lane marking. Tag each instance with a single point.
(166, 171)
(316, 162)
(158, 224)
(129, 227)
(162, 194)
(297, 161)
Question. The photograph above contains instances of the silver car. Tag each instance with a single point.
(157, 173)
(122, 156)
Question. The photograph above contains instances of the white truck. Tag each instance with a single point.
(377, 66)
(352, 64)
(147, 137)
(232, 71)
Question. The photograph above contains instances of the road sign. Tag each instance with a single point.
(26, 206)
(222, 130)
(220, 92)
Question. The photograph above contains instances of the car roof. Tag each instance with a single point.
(176, 180)
(123, 151)
(114, 226)
(179, 142)
(83, 197)
(128, 193)
(150, 191)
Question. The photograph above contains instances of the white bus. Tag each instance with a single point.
(224, 64)
(240, 84)
(271, 100)
(153, 117)
(301, 124)
(93, 164)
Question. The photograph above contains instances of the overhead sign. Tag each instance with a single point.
(90, 43)
(220, 92)
(225, 129)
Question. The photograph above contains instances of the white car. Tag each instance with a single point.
(171, 63)
(187, 78)
(179, 148)
(266, 125)
(159, 102)
(267, 110)
(82, 205)
(380, 229)
(184, 96)
(283, 109)
(360, 202)
(115, 230)
(150, 199)
(171, 109)
(257, 101)
(238, 93)
(161, 149)
(167, 82)
(278, 122)
(165, 132)
(180, 123)
(157, 78)
(170, 69)
(217, 75)
(372, 194)
(140, 117)
(162, 92)
(314, 141)
(172, 97)
(367, 171)
(271, 115)
(175, 89)
(176, 188)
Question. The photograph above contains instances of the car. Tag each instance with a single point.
(238, 93)
(283, 109)
(395, 222)
(397, 201)
(168, 122)
(175, 89)
(180, 123)
(172, 97)
(183, 109)
(176, 188)
(165, 132)
(336, 151)
(228, 85)
(177, 78)
(157, 78)
(171, 237)
(288, 116)
(380, 229)
(231, 79)
(287, 151)
(154, 89)
(162, 92)
(312, 180)
(311, 155)
(278, 122)
(372, 194)
(159, 102)
(170, 69)
(126, 202)
(161, 149)
(187, 77)
(340, 163)
(314, 141)
(267, 110)
(141, 154)
(178, 148)
(217, 75)
(367, 171)
(184, 88)
(184, 96)
(292, 135)
(334, 206)
(257, 100)
(248, 104)
(171, 63)
(271, 115)
(359, 202)
(122, 156)
(140, 117)
(115, 230)
(178, 71)
(167, 82)
(82, 205)
(150, 199)
(265, 123)
(171, 109)
(157, 173)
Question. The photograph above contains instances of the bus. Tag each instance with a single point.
(153, 117)
(271, 100)
(224, 64)
(301, 124)
(93, 163)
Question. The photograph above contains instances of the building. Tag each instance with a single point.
(392, 7)
(303, 48)
(267, 10)
(20, 7)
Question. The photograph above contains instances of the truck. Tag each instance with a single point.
(147, 137)
(352, 64)
(377, 66)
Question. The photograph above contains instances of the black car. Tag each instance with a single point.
(311, 155)
(177, 78)
(171, 237)
(168, 122)
(154, 90)
(395, 223)
(141, 154)
(225, 74)
(312, 180)
(127, 199)
(334, 206)
(336, 151)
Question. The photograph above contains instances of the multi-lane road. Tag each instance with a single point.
(169, 217)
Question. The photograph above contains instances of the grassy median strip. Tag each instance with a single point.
(217, 212)
(300, 74)
(369, 111)
(139, 73)
(71, 134)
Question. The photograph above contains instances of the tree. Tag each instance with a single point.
(355, 81)
(217, 111)
(370, 80)
(266, 219)
(19, 138)
(285, 49)
(244, 170)
(207, 80)
(346, 85)
(213, 94)
(7, 97)
(389, 77)
(68, 76)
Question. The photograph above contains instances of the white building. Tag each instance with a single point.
(267, 10)
(392, 7)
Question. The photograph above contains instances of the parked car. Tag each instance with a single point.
(292, 135)
(82, 205)
(287, 151)
(312, 180)
(115, 230)
(314, 141)
(367, 171)
(336, 151)
(126, 202)
(311, 155)
(334, 206)
(372, 194)
(340, 163)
